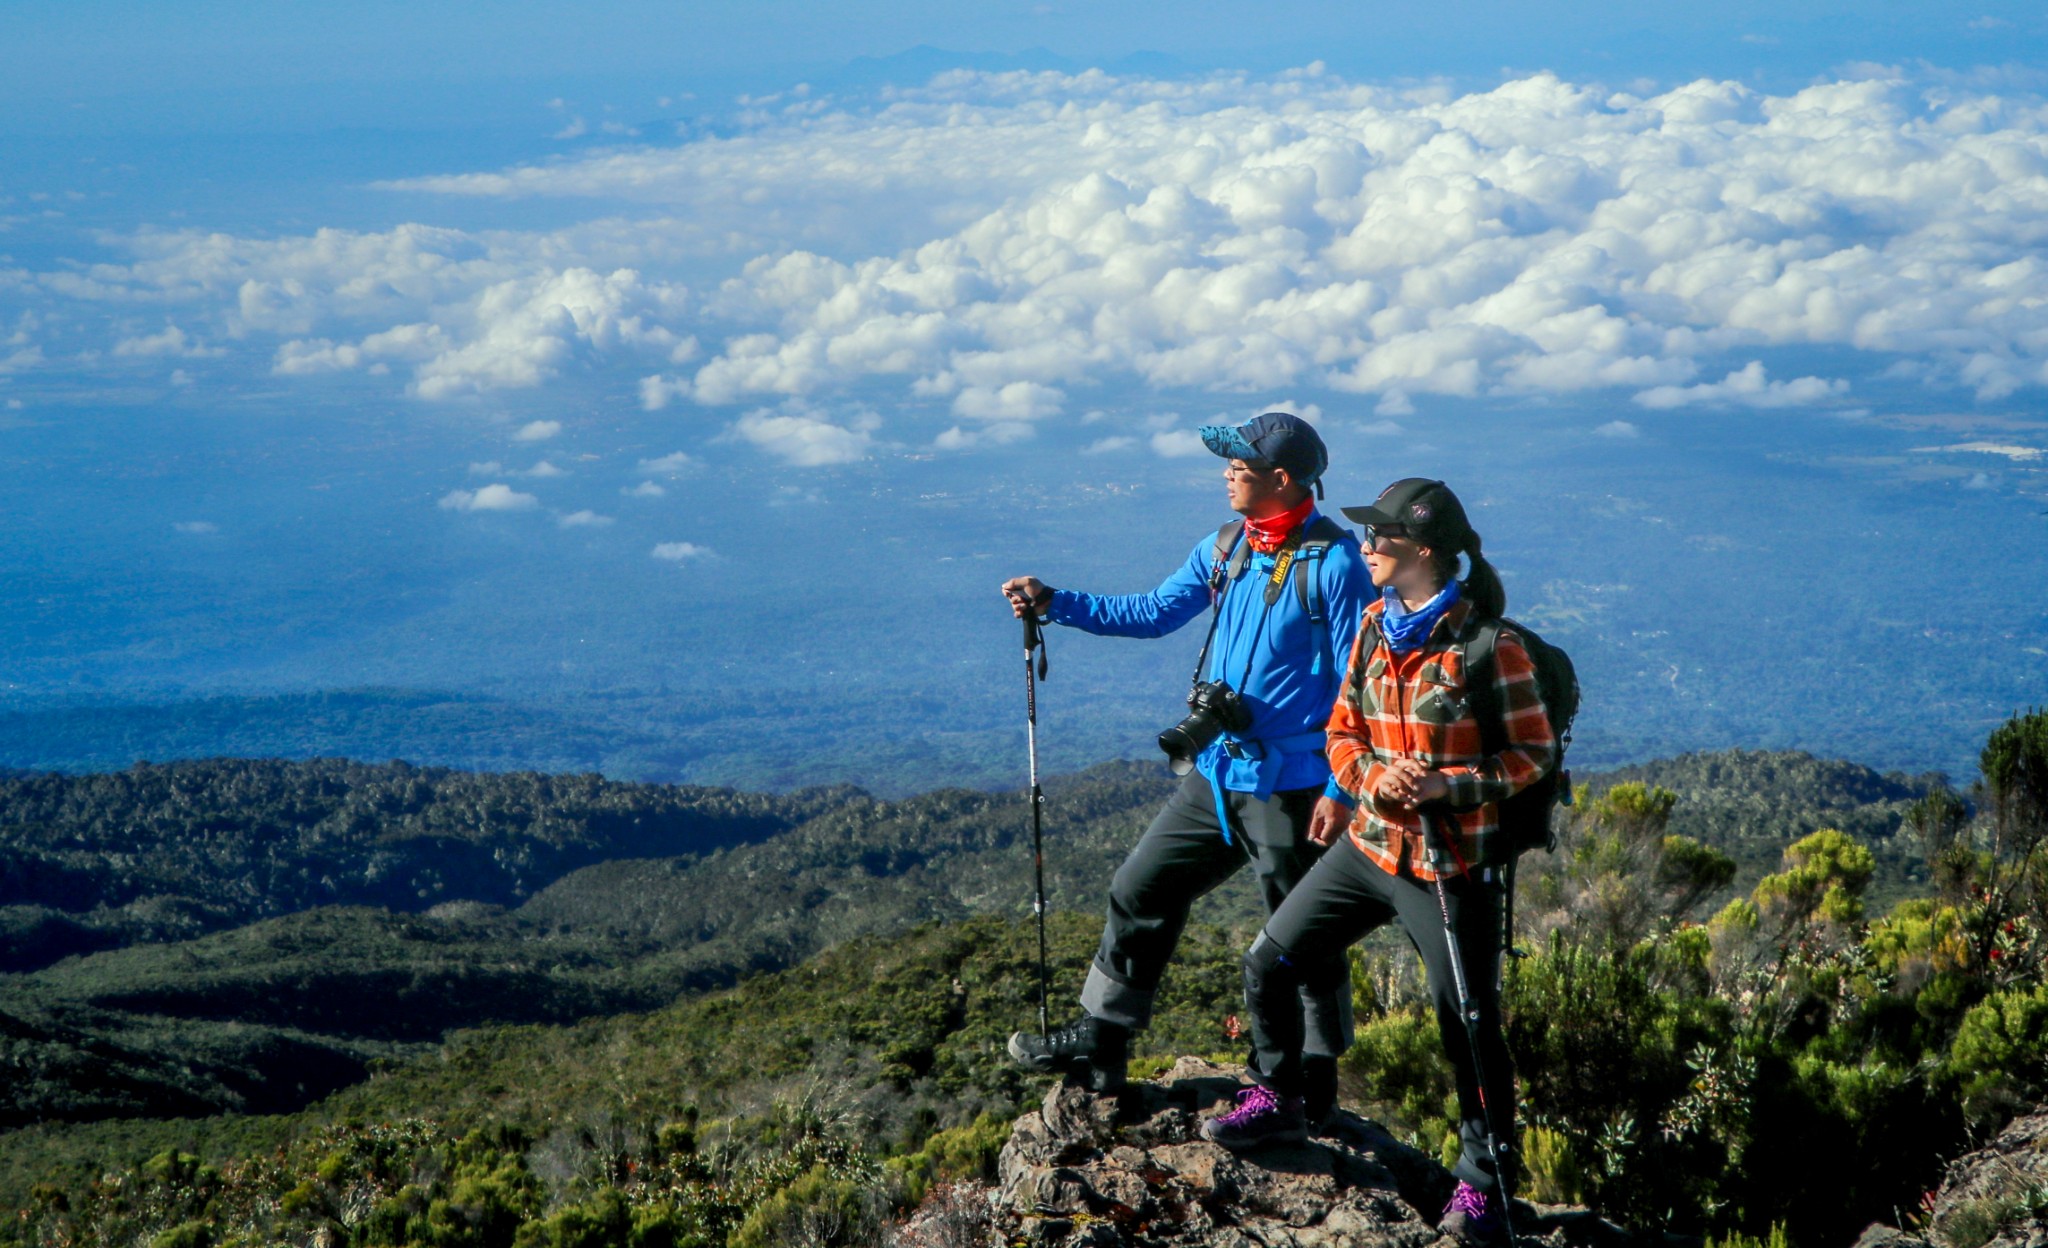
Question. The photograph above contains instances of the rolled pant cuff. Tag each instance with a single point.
(1481, 1179)
(1114, 1001)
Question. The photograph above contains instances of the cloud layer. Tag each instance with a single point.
(1060, 233)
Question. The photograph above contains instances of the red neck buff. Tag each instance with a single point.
(1267, 535)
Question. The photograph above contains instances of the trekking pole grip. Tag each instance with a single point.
(1034, 641)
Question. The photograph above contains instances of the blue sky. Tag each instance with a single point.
(470, 300)
(142, 64)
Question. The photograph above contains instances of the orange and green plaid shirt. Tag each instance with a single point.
(1414, 706)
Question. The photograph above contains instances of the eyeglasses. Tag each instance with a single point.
(1236, 469)
(1373, 534)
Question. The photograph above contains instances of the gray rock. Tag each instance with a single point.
(1132, 1169)
(1988, 1198)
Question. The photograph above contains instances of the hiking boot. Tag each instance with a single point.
(1319, 1092)
(1261, 1117)
(1474, 1217)
(1088, 1051)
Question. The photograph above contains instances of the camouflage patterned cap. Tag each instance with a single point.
(1278, 438)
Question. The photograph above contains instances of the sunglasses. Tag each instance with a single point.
(1374, 532)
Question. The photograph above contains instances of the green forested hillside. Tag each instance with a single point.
(163, 851)
(1751, 804)
(896, 1038)
(275, 1013)
(270, 1016)
(1677, 1072)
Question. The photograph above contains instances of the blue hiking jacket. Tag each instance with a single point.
(1296, 667)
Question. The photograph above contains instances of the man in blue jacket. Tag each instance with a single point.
(1287, 587)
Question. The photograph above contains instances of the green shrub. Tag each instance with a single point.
(969, 1152)
(1552, 1171)
(606, 1221)
(1918, 938)
(1824, 879)
(178, 1169)
(1397, 1064)
(965, 1152)
(2000, 1047)
(1601, 1052)
(825, 1207)
(1776, 1238)
(184, 1235)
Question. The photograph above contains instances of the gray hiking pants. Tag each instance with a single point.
(1182, 856)
(1343, 898)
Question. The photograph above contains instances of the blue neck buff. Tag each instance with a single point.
(1406, 630)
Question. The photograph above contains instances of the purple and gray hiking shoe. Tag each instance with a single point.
(1260, 1117)
(1474, 1217)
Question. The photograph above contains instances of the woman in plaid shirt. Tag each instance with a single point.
(1404, 742)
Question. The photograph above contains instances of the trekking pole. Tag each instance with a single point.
(1433, 838)
(1034, 643)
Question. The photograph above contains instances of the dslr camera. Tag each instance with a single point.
(1213, 709)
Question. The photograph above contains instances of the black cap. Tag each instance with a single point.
(1427, 509)
(1278, 438)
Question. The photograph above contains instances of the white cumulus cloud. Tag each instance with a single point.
(537, 431)
(585, 519)
(991, 244)
(173, 341)
(681, 552)
(495, 497)
(1178, 444)
(1019, 400)
(1000, 433)
(804, 439)
(1749, 386)
(658, 391)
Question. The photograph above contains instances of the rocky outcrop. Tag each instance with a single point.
(1994, 1197)
(1133, 1169)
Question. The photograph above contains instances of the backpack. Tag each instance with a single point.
(1525, 821)
(1525, 818)
(1233, 553)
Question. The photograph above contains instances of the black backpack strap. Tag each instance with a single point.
(1368, 643)
(1315, 543)
(1321, 535)
(1481, 692)
(1482, 666)
(1232, 553)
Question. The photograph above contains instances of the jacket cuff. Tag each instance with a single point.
(1337, 793)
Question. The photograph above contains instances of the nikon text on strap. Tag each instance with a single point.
(1233, 554)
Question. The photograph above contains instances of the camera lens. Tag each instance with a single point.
(1187, 739)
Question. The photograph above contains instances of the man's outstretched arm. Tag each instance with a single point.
(1180, 597)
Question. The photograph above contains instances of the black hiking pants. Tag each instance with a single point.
(1179, 858)
(1343, 898)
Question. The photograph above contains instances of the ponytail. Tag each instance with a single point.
(1489, 598)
